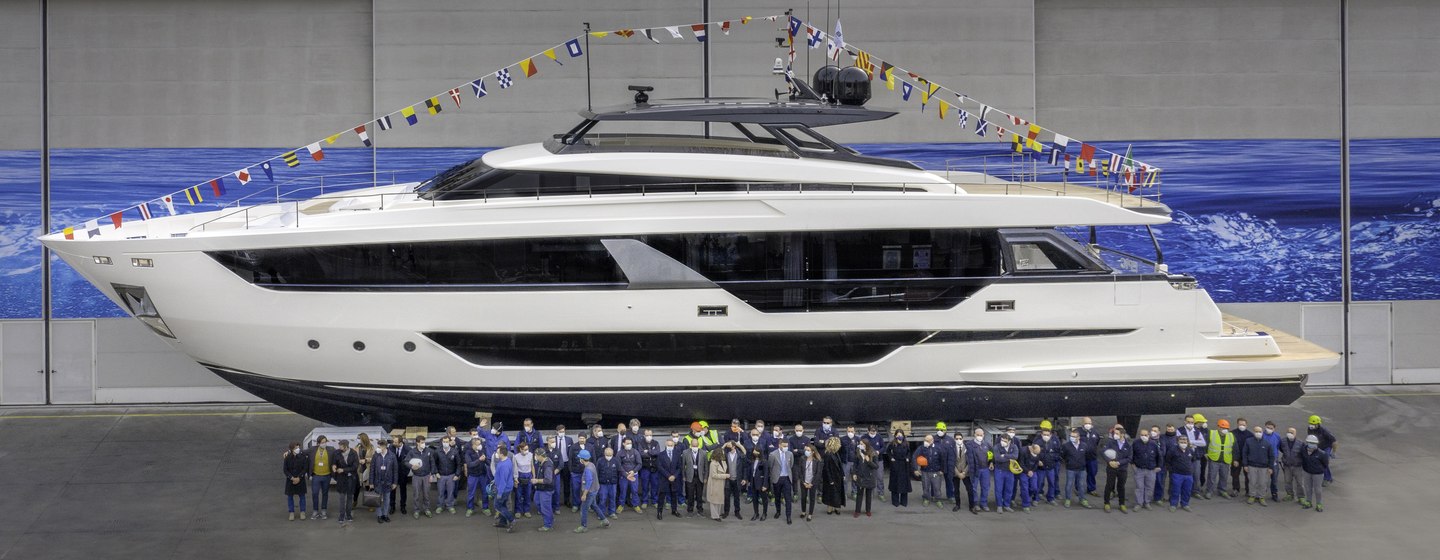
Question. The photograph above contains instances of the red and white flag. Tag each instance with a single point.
(455, 94)
(243, 176)
(315, 152)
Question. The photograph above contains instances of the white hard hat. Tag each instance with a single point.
(1312, 439)
(1110, 454)
(415, 463)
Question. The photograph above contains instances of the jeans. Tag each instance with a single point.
(1029, 488)
(629, 491)
(384, 509)
(783, 492)
(1160, 479)
(1331, 454)
(649, 487)
(290, 502)
(1092, 467)
(1004, 487)
(1145, 486)
(607, 499)
(1050, 479)
(474, 484)
(1181, 487)
(980, 488)
(447, 490)
(503, 501)
(1075, 482)
(588, 505)
(545, 501)
(320, 492)
(1115, 484)
(522, 494)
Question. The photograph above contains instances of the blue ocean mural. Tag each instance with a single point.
(1255, 220)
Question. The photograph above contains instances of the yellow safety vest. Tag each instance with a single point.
(1221, 444)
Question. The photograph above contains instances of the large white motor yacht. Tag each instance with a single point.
(760, 270)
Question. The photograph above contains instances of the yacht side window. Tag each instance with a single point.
(1042, 256)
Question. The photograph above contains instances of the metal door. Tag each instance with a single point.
(1370, 346)
(1324, 324)
(22, 379)
(72, 359)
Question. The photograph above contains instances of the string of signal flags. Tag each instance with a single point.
(1059, 150)
(1085, 159)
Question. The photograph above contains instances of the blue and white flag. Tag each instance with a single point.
(573, 47)
(905, 90)
(835, 44)
(479, 87)
(503, 76)
(813, 36)
(384, 123)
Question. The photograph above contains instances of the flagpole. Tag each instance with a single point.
(588, 55)
(705, 66)
(46, 287)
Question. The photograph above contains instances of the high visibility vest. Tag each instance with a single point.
(1222, 444)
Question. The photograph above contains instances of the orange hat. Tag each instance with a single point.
(1223, 423)
(922, 461)
(694, 426)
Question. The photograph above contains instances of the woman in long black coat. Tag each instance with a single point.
(295, 469)
(897, 462)
(867, 464)
(832, 478)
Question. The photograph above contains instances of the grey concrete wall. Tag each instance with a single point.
(20, 61)
(159, 73)
(1160, 69)
(1394, 68)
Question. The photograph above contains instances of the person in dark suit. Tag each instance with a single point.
(734, 457)
(564, 452)
(296, 471)
(781, 465)
(401, 491)
(582, 443)
(384, 474)
(345, 469)
(756, 480)
(864, 475)
(649, 478)
(826, 431)
(669, 470)
(693, 461)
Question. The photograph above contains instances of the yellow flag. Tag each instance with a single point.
(527, 66)
(551, 53)
(599, 33)
(332, 138)
(927, 92)
(890, 79)
(1015, 143)
(744, 20)
(943, 107)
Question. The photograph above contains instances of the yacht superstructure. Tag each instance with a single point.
(760, 270)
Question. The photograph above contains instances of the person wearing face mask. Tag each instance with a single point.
(669, 473)
(1315, 463)
(1029, 476)
(595, 444)
(564, 453)
(1273, 440)
(589, 489)
(1048, 471)
(755, 478)
(1221, 454)
(528, 434)
(544, 486)
(649, 449)
(1258, 459)
(1327, 444)
(629, 476)
(1119, 452)
(1019, 446)
(807, 477)
(945, 448)
(849, 446)
(1005, 457)
(1146, 457)
(1291, 466)
(1073, 453)
(1091, 439)
(448, 463)
(1239, 477)
(798, 441)
(608, 471)
(929, 468)
(1181, 460)
(420, 460)
(877, 442)
(867, 467)
(1195, 432)
(959, 472)
(733, 455)
(1168, 440)
(320, 461)
(477, 476)
(347, 462)
(826, 431)
(582, 443)
(781, 466)
(401, 492)
(977, 455)
(297, 471)
(694, 458)
(897, 462)
(495, 438)
(384, 469)
(717, 478)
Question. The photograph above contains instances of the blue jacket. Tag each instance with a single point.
(1145, 455)
(1074, 455)
(608, 470)
(847, 448)
(1004, 454)
(1273, 438)
(531, 437)
(1314, 462)
(427, 461)
(1029, 462)
(629, 461)
(1123, 455)
(933, 462)
(1180, 461)
(1049, 452)
(504, 474)
(1256, 452)
(477, 463)
(946, 446)
(1091, 439)
(975, 457)
(447, 463)
(494, 441)
(384, 471)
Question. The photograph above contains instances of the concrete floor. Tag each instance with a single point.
(190, 482)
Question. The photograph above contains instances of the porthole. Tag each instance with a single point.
(359, 346)
(313, 344)
(409, 346)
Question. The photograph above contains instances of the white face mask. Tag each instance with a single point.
(1045, 438)
(850, 434)
(1269, 431)
(927, 444)
(1189, 425)
(628, 446)
(649, 438)
(827, 424)
(799, 432)
(1290, 437)
(807, 452)
(1074, 439)
(1089, 426)
(1155, 434)
(1259, 435)
(1242, 427)
(1011, 434)
(979, 437)
(754, 439)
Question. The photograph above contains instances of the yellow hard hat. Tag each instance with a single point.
(1199, 417)
(1015, 467)
(1314, 420)
(940, 425)
(989, 455)
(704, 424)
(1046, 425)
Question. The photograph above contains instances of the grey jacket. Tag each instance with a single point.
(776, 457)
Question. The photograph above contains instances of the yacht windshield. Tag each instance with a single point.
(453, 178)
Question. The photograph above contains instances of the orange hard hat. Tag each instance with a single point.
(922, 461)
(1223, 423)
(694, 426)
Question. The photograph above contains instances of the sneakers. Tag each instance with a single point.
(1186, 508)
(1172, 508)
(313, 515)
(1206, 495)
(1304, 504)
(614, 516)
(544, 529)
(1319, 508)
(1067, 503)
(574, 509)
(469, 512)
(427, 513)
(292, 516)
(450, 510)
(526, 515)
(1026, 509)
(1249, 501)
(924, 502)
(417, 515)
(1124, 510)
(438, 510)
(1262, 502)
(1145, 505)
(581, 529)
(1084, 504)
(606, 525)
(1107, 508)
(639, 509)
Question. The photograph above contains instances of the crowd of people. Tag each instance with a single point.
(601, 475)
